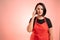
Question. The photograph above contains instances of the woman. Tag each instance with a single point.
(40, 26)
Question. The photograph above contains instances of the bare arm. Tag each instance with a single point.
(51, 33)
(30, 25)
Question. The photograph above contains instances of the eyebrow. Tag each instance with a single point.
(39, 8)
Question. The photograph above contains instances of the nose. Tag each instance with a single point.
(39, 11)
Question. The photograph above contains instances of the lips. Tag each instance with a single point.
(39, 13)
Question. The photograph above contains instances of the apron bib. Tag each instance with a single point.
(40, 31)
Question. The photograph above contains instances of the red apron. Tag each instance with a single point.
(40, 31)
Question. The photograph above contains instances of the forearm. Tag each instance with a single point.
(51, 33)
(30, 26)
(51, 37)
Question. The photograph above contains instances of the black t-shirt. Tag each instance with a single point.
(42, 21)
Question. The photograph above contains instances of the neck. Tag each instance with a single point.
(40, 17)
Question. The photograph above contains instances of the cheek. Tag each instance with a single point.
(37, 10)
(41, 11)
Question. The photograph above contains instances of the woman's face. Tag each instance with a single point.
(39, 10)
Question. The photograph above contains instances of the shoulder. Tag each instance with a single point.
(31, 19)
(48, 22)
(47, 19)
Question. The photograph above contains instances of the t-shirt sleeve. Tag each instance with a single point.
(49, 23)
(33, 22)
(31, 19)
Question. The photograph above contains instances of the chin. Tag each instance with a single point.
(39, 14)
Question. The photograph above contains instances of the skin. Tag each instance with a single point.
(39, 11)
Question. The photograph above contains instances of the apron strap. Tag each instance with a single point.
(45, 19)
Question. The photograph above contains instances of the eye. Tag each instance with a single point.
(38, 8)
(41, 8)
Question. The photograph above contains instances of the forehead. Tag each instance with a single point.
(39, 6)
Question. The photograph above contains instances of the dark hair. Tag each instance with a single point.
(44, 8)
